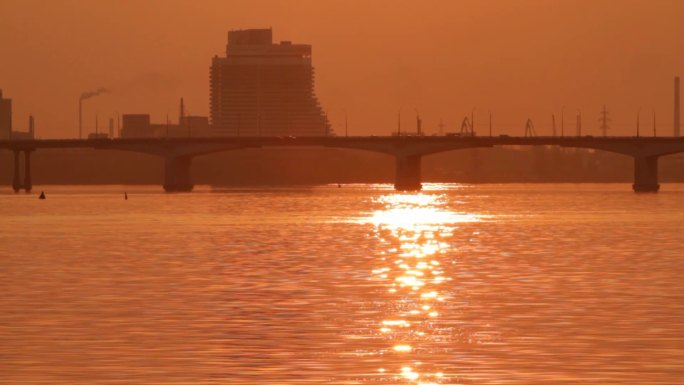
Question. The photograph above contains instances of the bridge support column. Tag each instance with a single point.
(28, 185)
(16, 181)
(408, 173)
(646, 174)
(177, 174)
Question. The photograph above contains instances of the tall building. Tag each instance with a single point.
(5, 117)
(265, 89)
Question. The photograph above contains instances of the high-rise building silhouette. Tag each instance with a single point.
(265, 89)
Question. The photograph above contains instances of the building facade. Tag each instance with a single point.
(140, 126)
(6, 131)
(264, 89)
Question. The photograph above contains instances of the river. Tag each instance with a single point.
(458, 284)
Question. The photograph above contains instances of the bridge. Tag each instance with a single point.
(407, 150)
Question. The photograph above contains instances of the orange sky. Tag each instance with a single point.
(518, 59)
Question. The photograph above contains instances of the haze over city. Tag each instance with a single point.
(312, 192)
(443, 59)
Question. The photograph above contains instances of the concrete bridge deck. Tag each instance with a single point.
(408, 151)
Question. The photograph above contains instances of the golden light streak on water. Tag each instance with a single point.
(415, 226)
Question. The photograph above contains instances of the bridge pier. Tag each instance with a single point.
(177, 174)
(16, 180)
(408, 173)
(28, 185)
(646, 174)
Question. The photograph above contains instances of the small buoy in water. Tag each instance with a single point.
(42, 195)
(125, 196)
(339, 185)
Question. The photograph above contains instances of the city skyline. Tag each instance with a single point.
(445, 61)
(418, 192)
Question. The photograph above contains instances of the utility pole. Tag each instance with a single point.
(579, 123)
(346, 125)
(604, 119)
(562, 122)
(32, 124)
(490, 123)
(529, 128)
(419, 124)
(676, 106)
(118, 123)
(472, 122)
(80, 119)
(181, 113)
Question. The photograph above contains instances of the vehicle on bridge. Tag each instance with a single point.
(98, 136)
(467, 134)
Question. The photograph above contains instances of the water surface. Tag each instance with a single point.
(459, 284)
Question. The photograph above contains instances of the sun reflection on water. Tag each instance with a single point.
(416, 228)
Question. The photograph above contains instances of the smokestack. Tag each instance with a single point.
(419, 125)
(31, 127)
(111, 127)
(87, 95)
(181, 117)
(676, 106)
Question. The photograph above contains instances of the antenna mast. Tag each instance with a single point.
(604, 119)
(346, 126)
(490, 123)
(529, 128)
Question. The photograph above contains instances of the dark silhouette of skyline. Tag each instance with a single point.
(519, 60)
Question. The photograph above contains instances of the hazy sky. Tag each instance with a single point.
(516, 58)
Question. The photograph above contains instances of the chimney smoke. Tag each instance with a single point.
(90, 94)
(84, 96)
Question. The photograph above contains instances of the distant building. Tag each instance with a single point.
(136, 126)
(140, 126)
(264, 89)
(6, 131)
(5, 117)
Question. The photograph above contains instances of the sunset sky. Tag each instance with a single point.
(517, 59)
